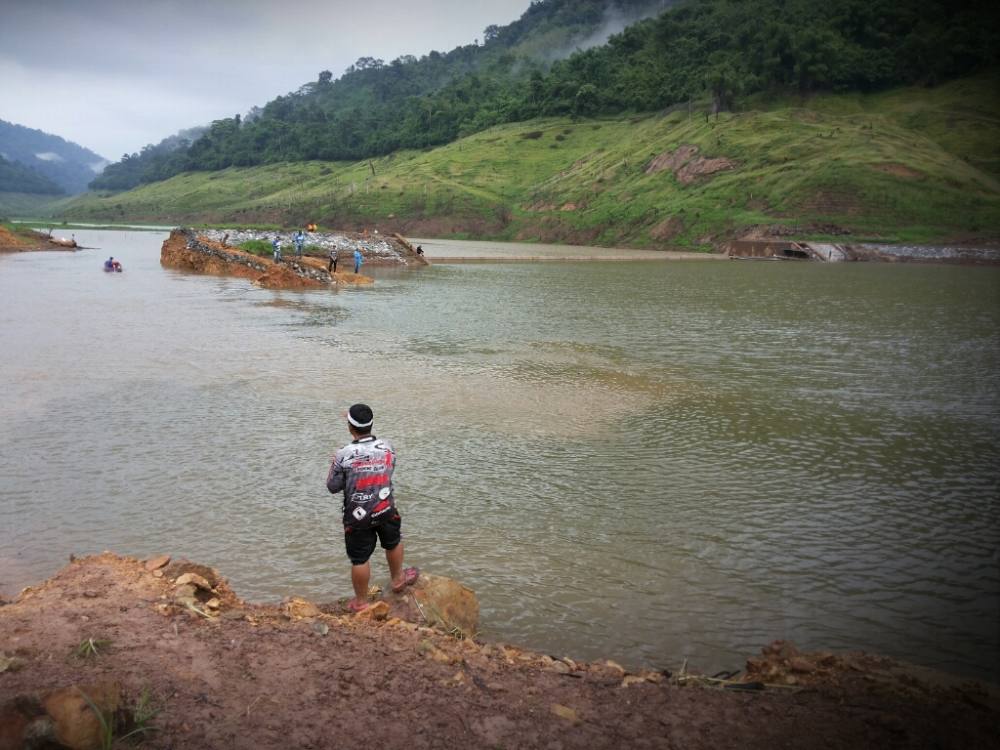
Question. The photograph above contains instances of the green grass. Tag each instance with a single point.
(134, 721)
(907, 165)
(28, 205)
(258, 247)
(90, 648)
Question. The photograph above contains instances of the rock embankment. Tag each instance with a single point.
(166, 648)
(186, 250)
(376, 249)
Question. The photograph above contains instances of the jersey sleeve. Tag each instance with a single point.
(336, 478)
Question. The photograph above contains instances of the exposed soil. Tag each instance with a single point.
(667, 229)
(226, 674)
(175, 254)
(898, 170)
(554, 230)
(279, 276)
(264, 272)
(29, 240)
(687, 166)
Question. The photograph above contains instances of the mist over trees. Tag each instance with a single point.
(17, 178)
(43, 159)
(154, 163)
(717, 49)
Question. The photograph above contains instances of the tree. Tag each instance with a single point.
(325, 77)
(586, 100)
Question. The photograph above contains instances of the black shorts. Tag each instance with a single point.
(360, 543)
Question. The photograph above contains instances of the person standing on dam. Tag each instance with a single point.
(363, 470)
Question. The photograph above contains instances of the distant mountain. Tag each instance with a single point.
(17, 178)
(67, 164)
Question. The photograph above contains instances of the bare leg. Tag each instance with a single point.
(394, 557)
(360, 575)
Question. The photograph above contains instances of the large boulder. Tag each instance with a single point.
(439, 602)
(75, 713)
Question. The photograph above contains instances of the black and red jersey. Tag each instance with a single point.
(363, 470)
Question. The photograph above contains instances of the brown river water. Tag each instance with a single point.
(645, 461)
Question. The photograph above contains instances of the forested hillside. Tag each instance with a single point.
(17, 178)
(722, 50)
(67, 164)
(912, 164)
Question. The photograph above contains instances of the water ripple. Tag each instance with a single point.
(644, 461)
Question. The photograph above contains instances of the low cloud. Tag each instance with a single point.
(117, 75)
(614, 22)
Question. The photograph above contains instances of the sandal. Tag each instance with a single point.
(356, 608)
(410, 576)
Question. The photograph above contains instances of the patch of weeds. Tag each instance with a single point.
(532, 135)
(144, 710)
(90, 648)
(134, 721)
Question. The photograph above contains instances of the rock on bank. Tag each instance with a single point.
(223, 673)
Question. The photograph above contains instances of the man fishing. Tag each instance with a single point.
(363, 470)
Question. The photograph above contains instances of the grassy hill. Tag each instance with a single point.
(905, 165)
(29, 205)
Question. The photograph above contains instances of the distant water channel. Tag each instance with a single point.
(644, 461)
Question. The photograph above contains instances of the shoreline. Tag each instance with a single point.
(497, 251)
(31, 240)
(302, 674)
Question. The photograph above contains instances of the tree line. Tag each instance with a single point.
(721, 49)
(17, 178)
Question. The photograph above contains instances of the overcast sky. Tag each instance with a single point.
(114, 75)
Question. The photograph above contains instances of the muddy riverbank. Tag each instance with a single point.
(303, 674)
(27, 240)
(187, 250)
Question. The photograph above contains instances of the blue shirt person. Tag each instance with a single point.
(276, 244)
(299, 242)
(357, 261)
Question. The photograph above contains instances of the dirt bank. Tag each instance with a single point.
(185, 250)
(27, 240)
(306, 676)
